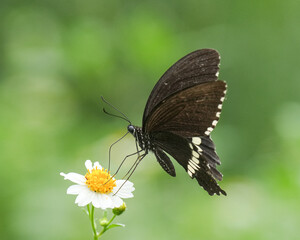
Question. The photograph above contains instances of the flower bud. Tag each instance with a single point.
(103, 222)
(119, 210)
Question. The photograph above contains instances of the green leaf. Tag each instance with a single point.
(116, 225)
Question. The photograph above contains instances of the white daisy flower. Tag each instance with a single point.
(95, 188)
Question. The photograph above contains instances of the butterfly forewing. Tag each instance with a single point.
(195, 68)
(192, 112)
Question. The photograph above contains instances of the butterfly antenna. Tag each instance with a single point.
(124, 117)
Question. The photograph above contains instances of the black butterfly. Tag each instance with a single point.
(182, 110)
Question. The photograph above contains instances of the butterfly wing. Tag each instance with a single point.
(196, 155)
(195, 68)
(182, 110)
(191, 112)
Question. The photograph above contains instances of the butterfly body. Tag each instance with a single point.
(181, 112)
(142, 138)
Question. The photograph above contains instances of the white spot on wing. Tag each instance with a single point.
(208, 131)
(222, 99)
(195, 154)
(191, 146)
(218, 114)
(195, 160)
(191, 175)
(220, 106)
(196, 140)
(217, 74)
(214, 123)
(199, 149)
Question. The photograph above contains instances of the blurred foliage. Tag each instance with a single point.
(58, 57)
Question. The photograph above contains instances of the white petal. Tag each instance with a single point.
(96, 164)
(81, 195)
(125, 191)
(117, 202)
(96, 200)
(107, 201)
(76, 189)
(74, 177)
(102, 201)
(88, 164)
(84, 197)
(126, 184)
(125, 194)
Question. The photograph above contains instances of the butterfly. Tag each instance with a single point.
(181, 112)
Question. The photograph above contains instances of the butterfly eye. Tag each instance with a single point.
(131, 129)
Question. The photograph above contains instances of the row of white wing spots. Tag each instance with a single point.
(222, 100)
(194, 161)
(214, 123)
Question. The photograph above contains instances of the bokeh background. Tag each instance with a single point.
(58, 57)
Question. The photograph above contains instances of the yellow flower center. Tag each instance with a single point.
(97, 181)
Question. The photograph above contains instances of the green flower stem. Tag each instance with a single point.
(105, 227)
(91, 215)
(111, 219)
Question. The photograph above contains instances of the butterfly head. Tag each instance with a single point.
(131, 129)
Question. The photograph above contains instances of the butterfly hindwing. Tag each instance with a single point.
(204, 149)
(192, 154)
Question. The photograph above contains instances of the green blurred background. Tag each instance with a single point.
(58, 57)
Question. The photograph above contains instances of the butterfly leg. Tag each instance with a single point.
(134, 165)
(122, 164)
(132, 169)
